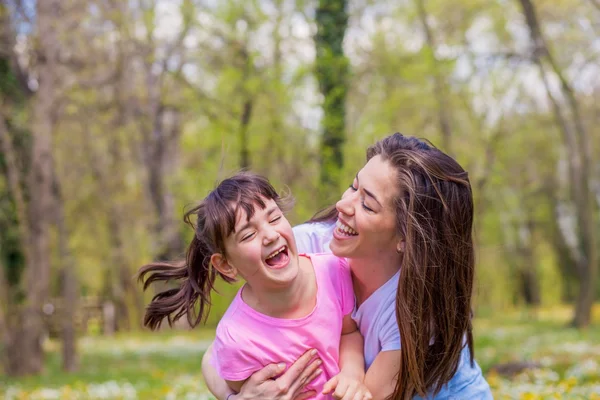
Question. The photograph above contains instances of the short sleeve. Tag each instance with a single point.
(230, 357)
(304, 243)
(346, 288)
(389, 334)
(313, 237)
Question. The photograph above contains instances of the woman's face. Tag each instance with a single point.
(366, 226)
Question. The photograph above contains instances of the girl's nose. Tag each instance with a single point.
(271, 235)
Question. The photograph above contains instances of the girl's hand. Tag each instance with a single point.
(263, 385)
(347, 387)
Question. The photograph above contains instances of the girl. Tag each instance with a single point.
(289, 305)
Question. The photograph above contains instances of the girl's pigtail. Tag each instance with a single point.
(196, 277)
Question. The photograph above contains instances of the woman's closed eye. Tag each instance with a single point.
(354, 188)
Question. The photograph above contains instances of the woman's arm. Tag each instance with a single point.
(236, 386)
(262, 385)
(382, 374)
(217, 386)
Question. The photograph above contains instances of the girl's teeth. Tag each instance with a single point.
(275, 253)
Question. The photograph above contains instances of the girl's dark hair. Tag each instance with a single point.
(434, 215)
(215, 221)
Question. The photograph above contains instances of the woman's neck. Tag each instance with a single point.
(294, 301)
(369, 274)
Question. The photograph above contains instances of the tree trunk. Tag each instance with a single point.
(14, 155)
(332, 74)
(13, 335)
(119, 279)
(164, 150)
(244, 123)
(530, 287)
(4, 329)
(37, 274)
(272, 157)
(159, 148)
(565, 256)
(115, 220)
(247, 108)
(69, 284)
(14, 182)
(440, 89)
(579, 152)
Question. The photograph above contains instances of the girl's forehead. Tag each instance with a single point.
(242, 216)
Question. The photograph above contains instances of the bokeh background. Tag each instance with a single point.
(115, 115)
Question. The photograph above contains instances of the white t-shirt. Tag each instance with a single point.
(376, 316)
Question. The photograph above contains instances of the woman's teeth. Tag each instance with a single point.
(273, 254)
(345, 228)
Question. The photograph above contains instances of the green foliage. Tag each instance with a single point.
(9, 86)
(315, 110)
(11, 250)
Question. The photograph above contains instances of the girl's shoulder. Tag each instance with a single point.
(329, 262)
(232, 327)
(233, 317)
(334, 278)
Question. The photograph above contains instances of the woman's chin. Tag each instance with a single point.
(340, 248)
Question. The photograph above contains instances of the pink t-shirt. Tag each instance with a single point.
(247, 340)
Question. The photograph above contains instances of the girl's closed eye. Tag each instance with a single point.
(276, 219)
(247, 236)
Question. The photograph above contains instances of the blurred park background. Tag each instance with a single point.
(115, 115)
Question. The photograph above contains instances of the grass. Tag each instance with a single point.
(166, 365)
(567, 360)
(128, 366)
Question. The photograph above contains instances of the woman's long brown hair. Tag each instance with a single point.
(215, 221)
(434, 211)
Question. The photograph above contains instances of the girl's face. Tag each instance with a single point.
(366, 226)
(261, 250)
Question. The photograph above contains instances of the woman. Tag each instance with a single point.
(405, 225)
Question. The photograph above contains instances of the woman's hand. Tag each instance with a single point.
(347, 387)
(289, 386)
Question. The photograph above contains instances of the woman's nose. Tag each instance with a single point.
(345, 205)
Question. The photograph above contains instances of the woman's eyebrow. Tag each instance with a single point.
(368, 193)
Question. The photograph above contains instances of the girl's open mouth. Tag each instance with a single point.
(279, 258)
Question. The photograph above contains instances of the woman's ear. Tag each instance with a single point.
(400, 246)
(220, 263)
